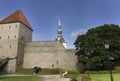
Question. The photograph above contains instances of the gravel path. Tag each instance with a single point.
(44, 77)
(54, 78)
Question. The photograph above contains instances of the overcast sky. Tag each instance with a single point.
(77, 16)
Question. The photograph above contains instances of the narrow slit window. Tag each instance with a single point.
(10, 46)
(9, 26)
(15, 36)
(8, 37)
(16, 26)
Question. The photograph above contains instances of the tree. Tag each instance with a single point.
(90, 46)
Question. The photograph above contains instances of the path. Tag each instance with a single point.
(54, 78)
(45, 77)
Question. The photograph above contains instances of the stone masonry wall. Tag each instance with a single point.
(9, 44)
(25, 35)
(47, 53)
(12, 39)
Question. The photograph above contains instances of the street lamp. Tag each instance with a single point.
(110, 66)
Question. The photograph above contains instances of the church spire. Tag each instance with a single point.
(60, 37)
(59, 29)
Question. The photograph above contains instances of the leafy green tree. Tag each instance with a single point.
(90, 46)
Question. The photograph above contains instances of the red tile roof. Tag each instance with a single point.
(17, 16)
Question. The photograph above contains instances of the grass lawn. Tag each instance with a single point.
(100, 77)
(19, 78)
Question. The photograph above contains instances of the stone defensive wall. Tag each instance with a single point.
(48, 54)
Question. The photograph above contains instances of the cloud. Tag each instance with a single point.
(78, 32)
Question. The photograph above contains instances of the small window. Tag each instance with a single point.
(15, 36)
(0, 37)
(10, 46)
(22, 38)
(16, 26)
(8, 37)
(9, 26)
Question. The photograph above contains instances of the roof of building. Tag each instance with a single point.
(17, 16)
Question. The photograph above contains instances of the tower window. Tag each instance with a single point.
(16, 26)
(8, 37)
(15, 36)
(10, 46)
(9, 26)
(22, 38)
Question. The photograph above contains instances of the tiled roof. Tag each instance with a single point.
(17, 16)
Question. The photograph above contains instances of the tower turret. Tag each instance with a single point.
(60, 37)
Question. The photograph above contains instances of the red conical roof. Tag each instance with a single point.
(17, 16)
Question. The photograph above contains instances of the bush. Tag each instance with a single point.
(50, 71)
(73, 72)
(97, 72)
(73, 77)
(117, 68)
(43, 71)
(46, 71)
(24, 71)
(102, 72)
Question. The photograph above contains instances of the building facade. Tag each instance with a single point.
(16, 43)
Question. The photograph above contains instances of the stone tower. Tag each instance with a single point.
(14, 32)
